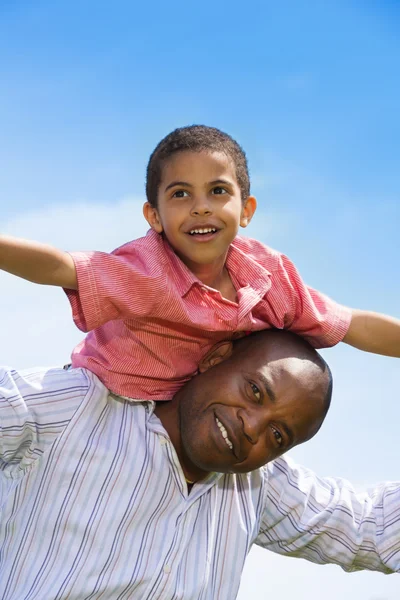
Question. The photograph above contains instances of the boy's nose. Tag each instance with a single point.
(201, 207)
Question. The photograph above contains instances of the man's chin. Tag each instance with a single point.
(200, 460)
(200, 452)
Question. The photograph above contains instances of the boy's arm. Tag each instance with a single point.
(37, 262)
(324, 323)
(374, 332)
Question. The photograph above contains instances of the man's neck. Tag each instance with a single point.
(168, 413)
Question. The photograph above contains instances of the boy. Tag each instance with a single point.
(156, 305)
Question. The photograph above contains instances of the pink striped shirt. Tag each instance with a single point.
(151, 320)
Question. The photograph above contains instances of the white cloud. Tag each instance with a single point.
(82, 225)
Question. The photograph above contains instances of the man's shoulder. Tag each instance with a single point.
(266, 256)
(40, 386)
(36, 406)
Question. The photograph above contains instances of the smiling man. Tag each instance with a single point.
(269, 395)
(103, 497)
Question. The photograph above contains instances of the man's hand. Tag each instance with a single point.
(37, 262)
(374, 332)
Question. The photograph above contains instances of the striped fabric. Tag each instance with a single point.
(94, 504)
(151, 320)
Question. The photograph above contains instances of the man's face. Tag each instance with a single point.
(249, 409)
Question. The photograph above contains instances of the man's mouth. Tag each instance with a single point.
(224, 434)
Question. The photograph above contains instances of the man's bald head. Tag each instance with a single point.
(252, 401)
(287, 344)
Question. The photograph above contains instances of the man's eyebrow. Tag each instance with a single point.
(272, 397)
(175, 183)
(288, 431)
(268, 387)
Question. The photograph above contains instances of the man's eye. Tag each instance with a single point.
(255, 391)
(277, 436)
(180, 194)
(219, 191)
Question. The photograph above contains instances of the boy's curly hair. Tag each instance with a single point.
(196, 138)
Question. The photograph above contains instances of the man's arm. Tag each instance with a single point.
(37, 262)
(35, 408)
(326, 521)
(373, 332)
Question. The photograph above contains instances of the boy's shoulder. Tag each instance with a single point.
(261, 253)
(148, 249)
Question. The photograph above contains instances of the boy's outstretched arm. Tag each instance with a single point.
(37, 262)
(374, 332)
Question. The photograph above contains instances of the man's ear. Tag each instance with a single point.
(152, 217)
(248, 210)
(217, 354)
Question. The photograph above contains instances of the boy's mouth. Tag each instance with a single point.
(203, 234)
(202, 231)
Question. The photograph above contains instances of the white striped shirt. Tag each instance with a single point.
(94, 504)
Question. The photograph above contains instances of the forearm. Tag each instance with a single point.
(374, 332)
(36, 262)
(325, 521)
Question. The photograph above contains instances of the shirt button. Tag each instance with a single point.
(163, 441)
(167, 569)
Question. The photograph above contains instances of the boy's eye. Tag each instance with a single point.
(219, 190)
(180, 194)
(256, 391)
(277, 436)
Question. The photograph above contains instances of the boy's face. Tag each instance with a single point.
(199, 192)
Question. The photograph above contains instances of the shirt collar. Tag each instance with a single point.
(181, 274)
(244, 269)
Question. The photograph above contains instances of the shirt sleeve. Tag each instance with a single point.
(326, 521)
(309, 313)
(35, 407)
(121, 285)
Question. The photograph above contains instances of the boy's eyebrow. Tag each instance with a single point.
(175, 183)
(224, 181)
(186, 184)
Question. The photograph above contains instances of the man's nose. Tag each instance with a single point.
(201, 206)
(254, 423)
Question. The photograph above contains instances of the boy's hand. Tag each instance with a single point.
(37, 262)
(374, 332)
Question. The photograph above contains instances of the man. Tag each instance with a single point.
(106, 498)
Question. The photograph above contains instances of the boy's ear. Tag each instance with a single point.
(152, 217)
(217, 354)
(248, 210)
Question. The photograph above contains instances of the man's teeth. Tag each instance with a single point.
(208, 230)
(224, 433)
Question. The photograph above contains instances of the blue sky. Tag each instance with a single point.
(310, 89)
